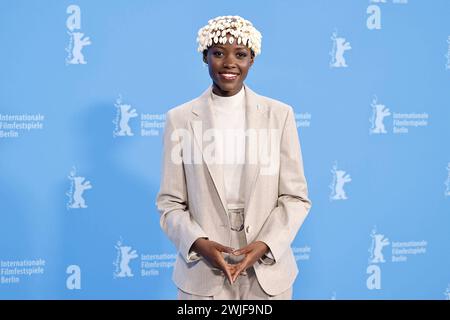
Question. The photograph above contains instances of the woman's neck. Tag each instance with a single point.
(217, 91)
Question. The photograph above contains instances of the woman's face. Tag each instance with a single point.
(228, 66)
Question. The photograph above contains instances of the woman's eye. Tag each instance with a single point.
(242, 54)
(217, 53)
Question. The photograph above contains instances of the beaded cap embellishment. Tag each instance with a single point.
(239, 29)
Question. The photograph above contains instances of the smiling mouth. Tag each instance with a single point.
(229, 76)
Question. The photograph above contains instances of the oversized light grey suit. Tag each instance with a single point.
(192, 200)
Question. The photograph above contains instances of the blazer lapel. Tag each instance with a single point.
(256, 119)
(204, 122)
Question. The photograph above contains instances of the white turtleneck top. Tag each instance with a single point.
(229, 119)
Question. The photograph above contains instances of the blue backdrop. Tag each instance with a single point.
(84, 87)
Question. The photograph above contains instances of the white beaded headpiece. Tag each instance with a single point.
(240, 30)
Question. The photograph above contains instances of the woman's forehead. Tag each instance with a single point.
(228, 46)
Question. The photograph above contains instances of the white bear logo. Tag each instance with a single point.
(340, 45)
(340, 178)
(80, 187)
(125, 255)
(379, 113)
(77, 188)
(78, 43)
(378, 243)
(123, 116)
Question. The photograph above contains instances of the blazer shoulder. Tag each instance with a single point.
(181, 112)
(276, 106)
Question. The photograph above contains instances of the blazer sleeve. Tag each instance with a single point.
(293, 205)
(171, 201)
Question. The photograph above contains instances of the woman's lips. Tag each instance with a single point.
(228, 76)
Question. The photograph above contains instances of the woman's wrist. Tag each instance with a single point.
(197, 245)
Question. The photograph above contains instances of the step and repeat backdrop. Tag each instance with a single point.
(84, 88)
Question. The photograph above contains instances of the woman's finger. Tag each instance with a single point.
(241, 251)
(239, 268)
(225, 249)
(226, 269)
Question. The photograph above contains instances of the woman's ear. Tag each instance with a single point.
(205, 54)
(252, 57)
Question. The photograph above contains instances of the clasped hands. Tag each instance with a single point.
(212, 252)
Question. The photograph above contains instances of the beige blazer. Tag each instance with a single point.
(192, 202)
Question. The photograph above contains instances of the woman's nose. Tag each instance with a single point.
(229, 62)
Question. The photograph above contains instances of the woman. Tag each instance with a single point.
(233, 192)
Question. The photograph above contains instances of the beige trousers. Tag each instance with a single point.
(246, 286)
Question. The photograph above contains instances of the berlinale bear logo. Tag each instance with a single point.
(77, 188)
(340, 46)
(340, 178)
(379, 112)
(123, 115)
(124, 255)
